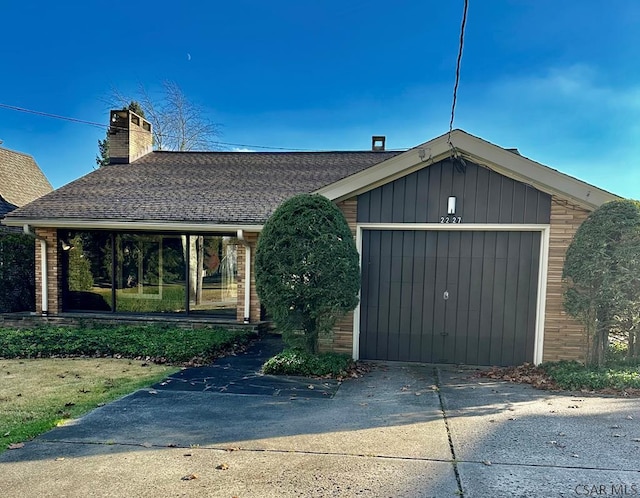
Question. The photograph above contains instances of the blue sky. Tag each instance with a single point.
(558, 80)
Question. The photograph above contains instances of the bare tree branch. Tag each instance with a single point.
(177, 123)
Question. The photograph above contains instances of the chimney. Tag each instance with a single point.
(377, 142)
(129, 137)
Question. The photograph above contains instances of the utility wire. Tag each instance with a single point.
(104, 126)
(455, 87)
(48, 115)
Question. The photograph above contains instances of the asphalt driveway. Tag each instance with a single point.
(402, 430)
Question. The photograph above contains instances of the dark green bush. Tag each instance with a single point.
(163, 344)
(572, 376)
(602, 273)
(300, 362)
(307, 269)
(17, 272)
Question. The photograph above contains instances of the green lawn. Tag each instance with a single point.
(52, 374)
(37, 395)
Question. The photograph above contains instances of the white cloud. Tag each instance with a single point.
(242, 149)
(570, 118)
(579, 83)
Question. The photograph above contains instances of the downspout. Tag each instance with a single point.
(247, 276)
(43, 267)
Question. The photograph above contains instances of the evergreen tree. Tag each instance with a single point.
(602, 273)
(307, 268)
(80, 276)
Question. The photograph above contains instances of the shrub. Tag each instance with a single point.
(573, 376)
(602, 272)
(80, 277)
(17, 272)
(307, 269)
(162, 344)
(300, 362)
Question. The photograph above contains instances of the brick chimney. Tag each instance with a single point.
(377, 142)
(129, 137)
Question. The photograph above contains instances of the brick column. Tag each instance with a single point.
(341, 339)
(564, 337)
(54, 273)
(254, 309)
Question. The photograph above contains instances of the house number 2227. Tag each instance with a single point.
(450, 219)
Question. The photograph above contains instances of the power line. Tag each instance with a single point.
(458, 63)
(104, 126)
(261, 146)
(49, 115)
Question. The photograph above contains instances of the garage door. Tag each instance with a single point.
(449, 297)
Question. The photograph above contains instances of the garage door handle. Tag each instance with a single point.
(446, 295)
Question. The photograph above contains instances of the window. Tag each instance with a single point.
(86, 262)
(213, 286)
(149, 273)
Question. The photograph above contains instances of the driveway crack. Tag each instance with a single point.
(454, 460)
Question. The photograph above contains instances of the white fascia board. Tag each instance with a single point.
(156, 226)
(496, 158)
(525, 170)
(456, 227)
(387, 171)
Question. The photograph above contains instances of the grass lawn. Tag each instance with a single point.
(51, 374)
(36, 395)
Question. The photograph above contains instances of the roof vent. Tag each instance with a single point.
(377, 142)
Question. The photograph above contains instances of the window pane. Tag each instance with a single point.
(86, 258)
(150, 273)
(213, 279)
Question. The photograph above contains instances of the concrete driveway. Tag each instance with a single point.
(392, 433)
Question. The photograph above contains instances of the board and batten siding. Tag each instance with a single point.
(416, 201)
(490, 282)
(482, 196)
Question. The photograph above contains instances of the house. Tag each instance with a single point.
(461, 241)
(21, 180)
(5, 207)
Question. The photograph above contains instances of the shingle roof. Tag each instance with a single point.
(21, 180)
(6, 207)
(210, 187)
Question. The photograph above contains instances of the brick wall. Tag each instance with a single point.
(254, 308)
(341, 340)
(28, 321)
(564, 338)
(54, 274)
